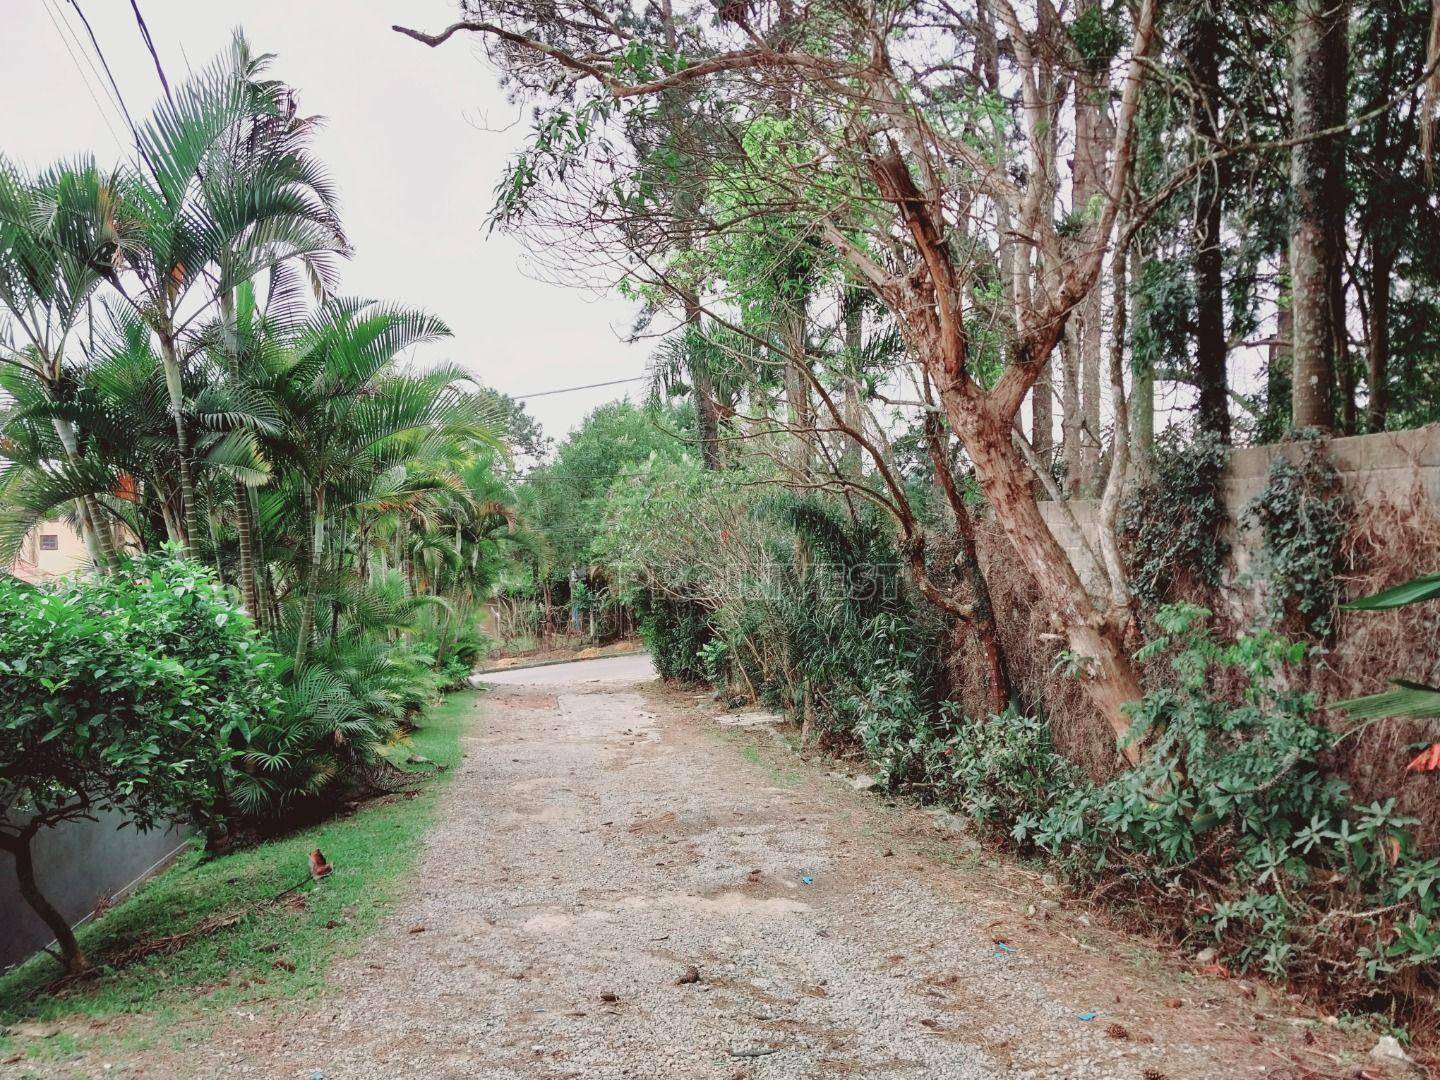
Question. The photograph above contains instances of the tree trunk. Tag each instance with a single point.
(1071, 420)
(707, 414)
(92, 523)
(1203, 57)
(1042, 416)
(797, 384)
(1105, 669)
(1142, 394)
(1319, 56)
(1377, 348)
(245, 538)
(853, 311)
(982, 618)
(1280, 361)
(312, 579)
(71, 958)
(174, 386)
(1092, 141)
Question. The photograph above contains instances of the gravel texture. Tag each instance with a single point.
(619, 887)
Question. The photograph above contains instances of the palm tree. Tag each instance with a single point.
(227, 192)
(58, 233)
(347, 417)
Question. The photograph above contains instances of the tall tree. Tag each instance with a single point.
(1319, 60)
(1202, 58)
(888, 173)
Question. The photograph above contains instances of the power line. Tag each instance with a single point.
(572, 389)
(100, 54)
(150, 44)
(84, 79)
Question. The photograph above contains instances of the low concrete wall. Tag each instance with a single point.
(79, 865)
(1387, 464)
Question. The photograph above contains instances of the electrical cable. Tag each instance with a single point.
(571, 389)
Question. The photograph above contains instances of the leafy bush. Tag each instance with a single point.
(122, 692)
(675, 631)
(998, 770)
(889, 706)
(1174, 523)
(1230, 815)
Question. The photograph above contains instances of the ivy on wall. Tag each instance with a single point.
(1301, 514)
(1173, 525)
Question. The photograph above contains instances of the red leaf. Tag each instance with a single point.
(1428, 760)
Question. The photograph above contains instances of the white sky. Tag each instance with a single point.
(407, 143)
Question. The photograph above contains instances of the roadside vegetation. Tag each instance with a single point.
(292, 529)
(964, 319)
(217, 933)
(967, 311)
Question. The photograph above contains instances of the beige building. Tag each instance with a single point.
(51, 549)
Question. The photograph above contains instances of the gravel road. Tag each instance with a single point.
(620, 886)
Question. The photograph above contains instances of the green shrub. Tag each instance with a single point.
(1174, 523)
(1230, 817)
(675, 631)
(887, 704)
(123, 692)
(998, 770)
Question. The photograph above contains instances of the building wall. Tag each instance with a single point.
(51, 549)
(1387, 464)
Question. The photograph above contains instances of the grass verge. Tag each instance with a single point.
(276, 950)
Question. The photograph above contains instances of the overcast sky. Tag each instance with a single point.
(416, 140)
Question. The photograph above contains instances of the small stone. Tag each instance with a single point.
(689, 976)
(1387, 1049)
(1206, 956)
(610, 997)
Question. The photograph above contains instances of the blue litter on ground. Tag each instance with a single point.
(807, 880)
(1086, 1016)
(1001, 949)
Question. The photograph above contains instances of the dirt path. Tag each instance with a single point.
(607, 841)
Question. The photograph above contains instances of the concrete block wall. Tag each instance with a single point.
(79, 865)
(1390, 464)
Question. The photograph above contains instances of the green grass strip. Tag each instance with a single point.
(249, 962)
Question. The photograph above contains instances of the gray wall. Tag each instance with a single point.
(77, 864)
(1388, 464)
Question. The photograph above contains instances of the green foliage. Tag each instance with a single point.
(999, 770)
(1407, 698)
(1231, 813)
(676, 631)
(1098, 36)
(563, 501)
(1174, 522)
(1301, 514)
(126, 692)
(887, 699)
